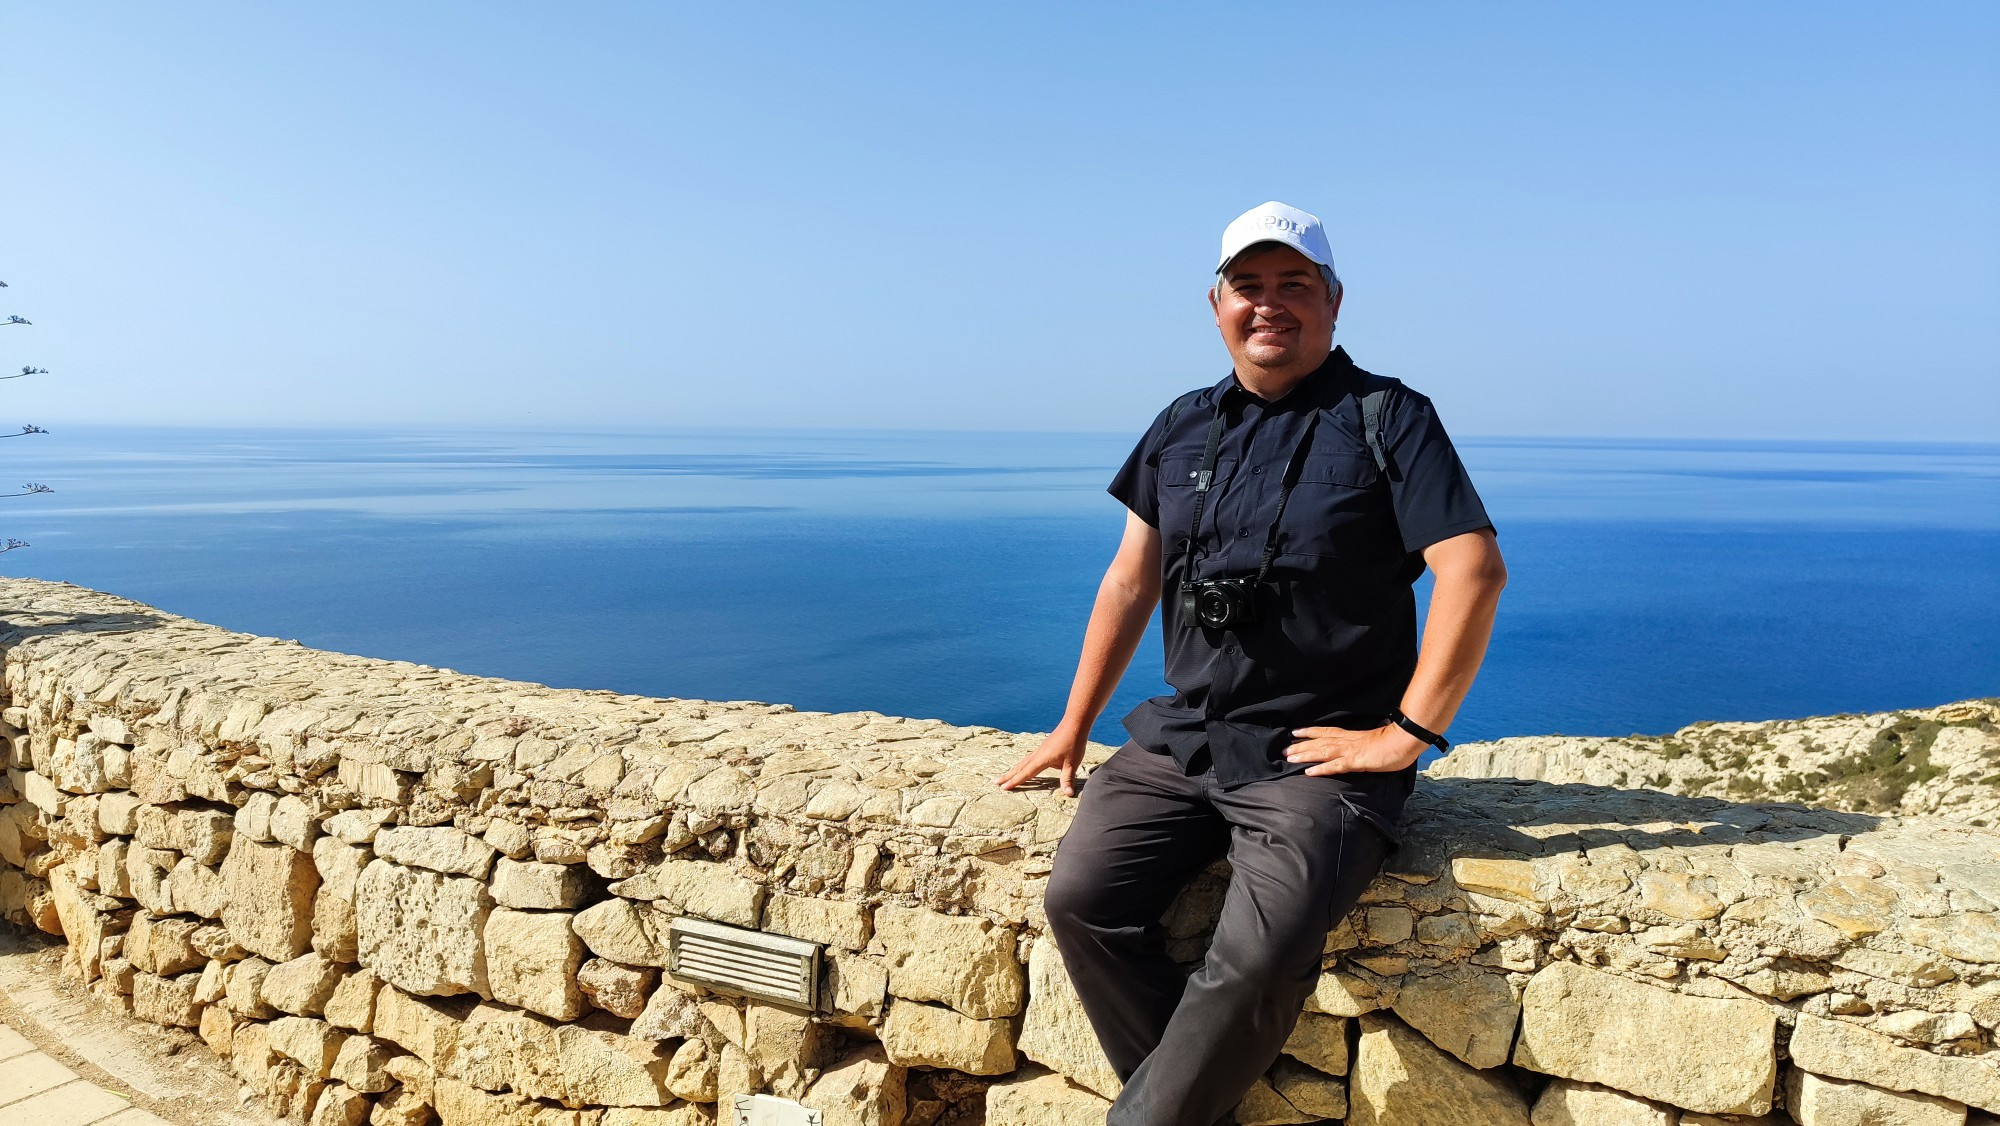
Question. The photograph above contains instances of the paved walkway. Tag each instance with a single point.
(37, 1090)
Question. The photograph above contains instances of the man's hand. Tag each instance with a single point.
(1337, 750)
(1061, 750)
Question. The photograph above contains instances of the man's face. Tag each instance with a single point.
(1274, 309)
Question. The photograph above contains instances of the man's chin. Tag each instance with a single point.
(1270, 355)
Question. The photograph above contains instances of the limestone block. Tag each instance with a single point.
(624, 932)
(1033, 1097)
(112, 876)
(218, 1029)
(422, 931)
(707, 890)
(1568, 1103)
(437, 848)
(1401, 1078)
(339, 865)
(679, 1114)
(214, 984)
(198, 889)
(829, 922)
(362, 1063)
(865, 1089)
(163, 945)
(600, 1068)
(857, 987)
(1309, 1090)
(1711, 1054)
(1972, 936)
(293, 823)
(270, 892)
(1816, 1101)
(532, 885)
(167, 1000)
(352, 1003)
(78, 765)
(962, 961)
(1839, 1050)
(146, 873)
(243, 989)
(1343, 995)
(784, 1043)
(253, 817)
(417, 1026)
(920, 1035)
(339, 1105)
(313, 1044)
(691, 1073)
(671, 1013)
(1320, 1042)
(1467, 1011)
(1262, 1105)
(377, 781)
(40, 791)
(619, 990)
(301, 986)
(118, 813)
(459, 1104)
(402, 1107)
(532, 960)
(1057, 1034)
(336, 925)
(87, 919)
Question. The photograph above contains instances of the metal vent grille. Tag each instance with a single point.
(767, 966)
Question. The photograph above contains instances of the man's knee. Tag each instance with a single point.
(1075, 898)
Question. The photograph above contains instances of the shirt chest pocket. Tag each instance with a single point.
(1178, 477)
(1338, 508)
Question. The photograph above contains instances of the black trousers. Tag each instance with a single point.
(1189, 1046)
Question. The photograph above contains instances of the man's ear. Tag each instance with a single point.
(1214, 305)
(1337, 295)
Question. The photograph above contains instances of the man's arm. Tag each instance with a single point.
(1125, 601)
(1469, 576)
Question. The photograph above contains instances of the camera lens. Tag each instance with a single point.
(1215, 608)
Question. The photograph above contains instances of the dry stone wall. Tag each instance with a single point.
(390, 893)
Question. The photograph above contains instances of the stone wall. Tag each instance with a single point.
(386, 892)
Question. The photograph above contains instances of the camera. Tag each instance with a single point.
(1219, 603)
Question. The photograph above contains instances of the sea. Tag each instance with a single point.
(1653, 583)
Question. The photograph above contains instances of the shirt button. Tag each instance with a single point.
(1256, 469)
(1229, 649)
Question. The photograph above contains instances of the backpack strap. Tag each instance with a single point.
(1378, 389)
(1175, 408)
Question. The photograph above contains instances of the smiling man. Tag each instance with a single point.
(1286, 511)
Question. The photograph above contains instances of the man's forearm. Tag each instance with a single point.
(1117, 622)
(1456, 631)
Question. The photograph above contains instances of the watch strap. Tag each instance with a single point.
(1420, 731)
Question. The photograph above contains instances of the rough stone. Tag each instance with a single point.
(167, 1000)
(691, 1074)
(1309, 1090)
(624, 932)
(919, 1035)
(1816, 1101)
(1568, 1103)
(438, 849)
(1711, 1054)
(1320, 1042)
(1262, 1105)
(1040, 1098)
(1465, 1010)
(531, 885)
(709, 891)
(1838, 1050)
(1057, 1034)
(619, 990)
(269, 889)
(301, 986)
(422, 931)
(1400, 1078)
(863, 1090)
(830, 922)
(532, 959)
(967, 963)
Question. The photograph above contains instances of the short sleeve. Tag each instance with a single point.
(1433, 494)
(1137, 483)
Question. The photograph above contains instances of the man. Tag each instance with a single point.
(1317, 492)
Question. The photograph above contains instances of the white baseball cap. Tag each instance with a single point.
(1279, 223)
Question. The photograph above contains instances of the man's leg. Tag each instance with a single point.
(1141, 829)
(1301, 859)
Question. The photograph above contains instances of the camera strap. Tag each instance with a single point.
(1205, 477)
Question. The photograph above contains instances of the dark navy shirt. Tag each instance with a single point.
(1335, 639)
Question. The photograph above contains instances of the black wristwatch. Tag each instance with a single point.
(1420, 731)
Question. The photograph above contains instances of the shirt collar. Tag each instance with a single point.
(1319, 388)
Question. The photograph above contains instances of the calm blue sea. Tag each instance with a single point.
(1654, 583)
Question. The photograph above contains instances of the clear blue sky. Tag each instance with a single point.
(1701, 219)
